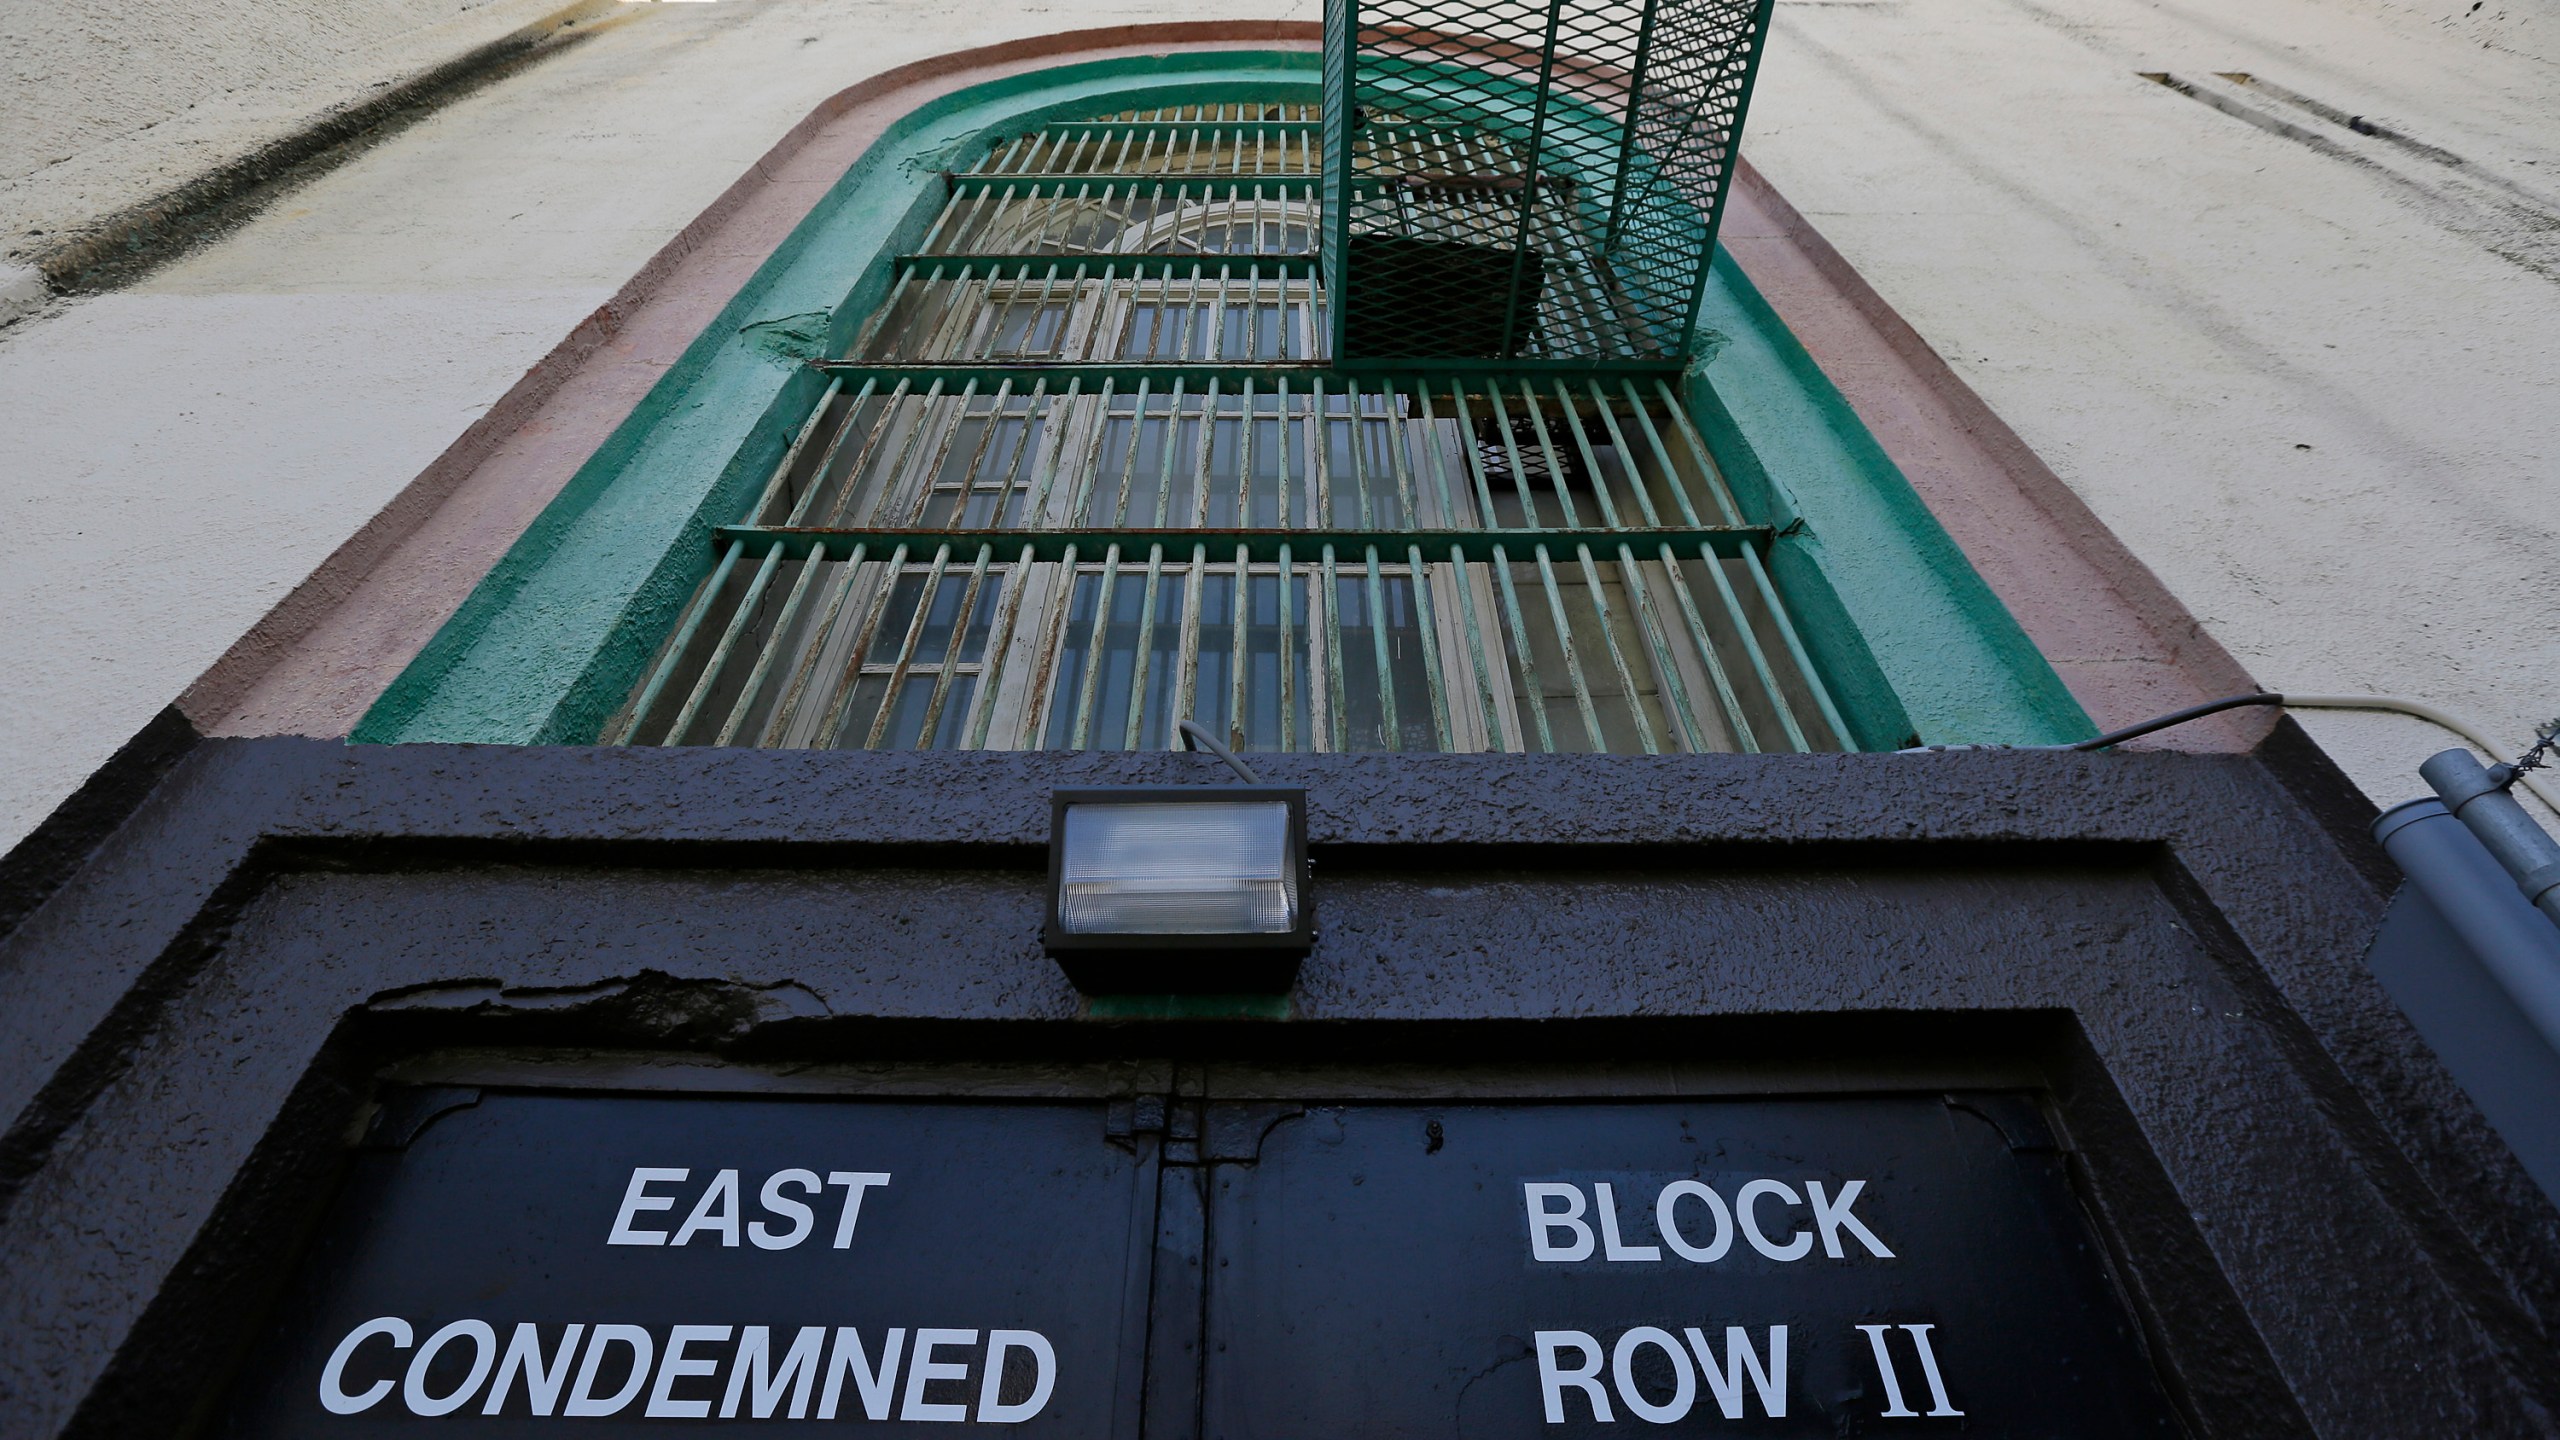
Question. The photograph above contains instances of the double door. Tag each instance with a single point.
(1186, 1266)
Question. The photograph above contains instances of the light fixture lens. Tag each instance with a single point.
(1182, 869)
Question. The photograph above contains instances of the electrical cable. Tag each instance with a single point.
(2471, 734)
(2178, 717)
(1199, 739)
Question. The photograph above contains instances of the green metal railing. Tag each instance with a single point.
(1532, 180)
(1091, 468)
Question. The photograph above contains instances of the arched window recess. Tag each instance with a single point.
(1091, 468)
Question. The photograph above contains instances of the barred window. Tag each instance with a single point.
(1089, 470)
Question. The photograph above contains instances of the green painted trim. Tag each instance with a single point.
(548, 645)
(1111, 267)
(1910, 639)
(1263, 546)
(1399, 377)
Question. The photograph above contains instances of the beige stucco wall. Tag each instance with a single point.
(2164, 300)
(2308, 378)
(105, 103)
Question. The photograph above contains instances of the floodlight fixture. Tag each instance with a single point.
(1179, 888)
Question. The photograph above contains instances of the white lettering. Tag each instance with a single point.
(991, 1410)
(1606, 1204)
(1726, 1379)
(1552, 1378)
(1893, 1406)
(1833, 1217)
(1938, 1403)
(1668, 1223)
(855, 1183)
(1746, 1203)
(333, 1376)
(1684, 1382)
(1544, 1222)
(582, 1396)
(413, 1389)
(803, 1219)
(724, 1194)
(541, 1386)
(637, 1199)
(662, 1403)
(923, 1369)
(877, 1389)
(755, 1357)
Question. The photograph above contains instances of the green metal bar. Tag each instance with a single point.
(1511, 453)
(1474, 630)
(1537, 702)
(1288, 652)
(1795, 651)
(709, 677)
(799, 442)
(1735, 720)
(1601, 402)
(1439, 465)
(788, 707)
(1186, 690)
(1424, 621)
(832, 726)
(1263, 544)
(1403, 379)
(674, 655)
(1319, 456)
(1590, 461)
(1376, 595)
(982, 704)
(1617, 656)
(1258, 128)
(1636, 78)
(1021, 268)
(1053, 439)
(1529, 187)
(1050, 648)
(771, 650)
(1572, 653)
(1145, 651)
(1201, 459)
(1355, 426)
(1758, 657)
(827, 462)
(1137, 438)
(1667, 679)
(1337, 717)
(1239, 598)
(1530, 401)
(1054, 184)
(906, 658)
(1749, 54)
(1103, 598)
(1662, 456)
(951, 662)
(889, 474)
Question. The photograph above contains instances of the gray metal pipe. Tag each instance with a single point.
(2473, 893)
(2477, 796)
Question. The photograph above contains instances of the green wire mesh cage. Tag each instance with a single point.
(1528, 181)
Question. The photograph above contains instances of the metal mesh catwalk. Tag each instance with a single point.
(1528, 181)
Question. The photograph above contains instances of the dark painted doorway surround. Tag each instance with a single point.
(1183, 1265)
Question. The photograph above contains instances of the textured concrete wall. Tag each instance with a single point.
(2169, 302)
(105, 102)
(2304, 374)
(177, 455)
(189, 1029)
